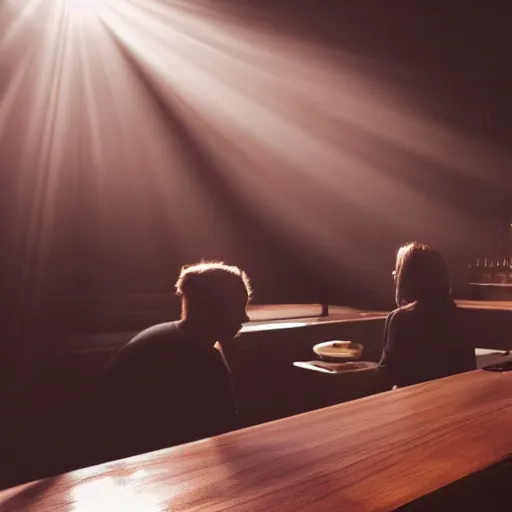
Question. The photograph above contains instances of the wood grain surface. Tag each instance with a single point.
(372, 454)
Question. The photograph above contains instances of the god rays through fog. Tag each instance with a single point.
(97, 90)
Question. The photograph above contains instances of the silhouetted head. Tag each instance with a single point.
(214, 299)
(420, 274)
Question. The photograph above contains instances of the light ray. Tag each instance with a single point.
(129, 95)
(24, 14)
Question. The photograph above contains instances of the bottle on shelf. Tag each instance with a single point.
(474, 271)
(509, 270)
(500, 275)
(505, 265)
(485, 276)
(489, 271)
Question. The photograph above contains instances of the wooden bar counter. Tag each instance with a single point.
(373, 454)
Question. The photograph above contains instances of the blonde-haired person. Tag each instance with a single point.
(426, 337)
(171, 383)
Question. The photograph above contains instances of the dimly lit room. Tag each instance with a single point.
(256, 255)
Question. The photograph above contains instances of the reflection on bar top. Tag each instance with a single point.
(272, 326)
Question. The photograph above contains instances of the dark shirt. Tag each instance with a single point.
(160, 390)
(426, 341)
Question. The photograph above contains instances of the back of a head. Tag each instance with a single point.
(421, 275)
(203, 280)
(214, 293)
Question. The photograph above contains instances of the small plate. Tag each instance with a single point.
(336, 350)
(336, 368)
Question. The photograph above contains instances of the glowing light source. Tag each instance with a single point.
(83, 6)
(80, 4)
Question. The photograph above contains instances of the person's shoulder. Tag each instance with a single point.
(167, 331)
(148, 357)
(157, 338)
(151, 344)
(402, 313)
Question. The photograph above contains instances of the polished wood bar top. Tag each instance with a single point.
(372, 454)
(499, 285)
(505, 305)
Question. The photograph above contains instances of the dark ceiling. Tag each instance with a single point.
(455, 37)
